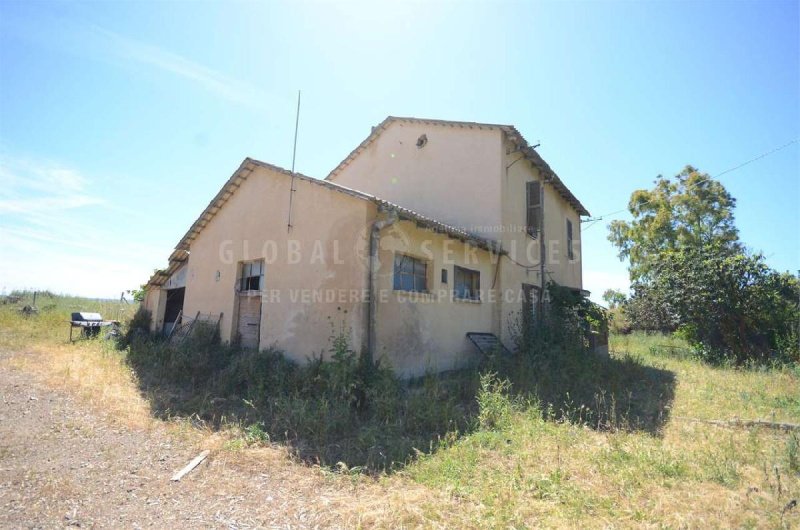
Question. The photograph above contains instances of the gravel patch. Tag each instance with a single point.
(65, 465)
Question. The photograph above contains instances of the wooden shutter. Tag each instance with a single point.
(570, 254)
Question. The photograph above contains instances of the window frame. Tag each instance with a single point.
(474, 289)
(400, 277)
(244, 280)
(533, 208)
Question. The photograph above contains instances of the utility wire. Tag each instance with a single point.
(595, 220)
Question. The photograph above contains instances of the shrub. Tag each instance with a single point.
(563, 324)
(495, 403)
(140, 323)
(732, 307)
(343, 410)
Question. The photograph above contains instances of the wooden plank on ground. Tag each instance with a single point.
(190, 466)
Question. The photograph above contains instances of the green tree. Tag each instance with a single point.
(729, 306)
(614, 298)
(690, 272)
(690, 211)
(138, 294)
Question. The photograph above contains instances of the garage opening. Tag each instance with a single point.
(174, 308)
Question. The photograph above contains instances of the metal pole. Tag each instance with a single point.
(296, 127)
(294, 155)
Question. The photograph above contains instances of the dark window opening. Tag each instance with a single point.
(444, 276)
(251, 276)
(533, 207)
(570, 252)
(467, 283)
(410, 274)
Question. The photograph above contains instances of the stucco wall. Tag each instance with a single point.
(427, 331)
(523, 249)
(320, 255)
(454, 178)
(471, 166)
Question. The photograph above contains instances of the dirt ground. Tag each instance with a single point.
(64, 465)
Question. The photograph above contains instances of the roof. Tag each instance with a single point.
(511, 133)
(181, 252)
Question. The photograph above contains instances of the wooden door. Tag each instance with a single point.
(249, 326)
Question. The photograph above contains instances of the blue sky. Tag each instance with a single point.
(119, 121)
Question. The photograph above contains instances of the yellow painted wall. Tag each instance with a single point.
(525, 250)
(453, 178)
(252, 225)
(413, 334)
(417, 332)
(462, 177)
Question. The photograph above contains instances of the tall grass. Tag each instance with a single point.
(342, 412)
(553, 441)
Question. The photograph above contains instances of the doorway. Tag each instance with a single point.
(249, 321)
(173, 308)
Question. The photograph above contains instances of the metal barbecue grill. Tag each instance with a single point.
(89, 324)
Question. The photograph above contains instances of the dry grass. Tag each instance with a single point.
(534, 472)
(96, 373)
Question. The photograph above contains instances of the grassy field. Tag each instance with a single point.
(527, 462)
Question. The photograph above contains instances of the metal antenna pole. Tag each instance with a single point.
(294, 155)
(296, 126)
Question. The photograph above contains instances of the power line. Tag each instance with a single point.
(595, 220)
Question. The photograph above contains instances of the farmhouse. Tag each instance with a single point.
(424, 245)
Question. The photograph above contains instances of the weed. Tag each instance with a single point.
(495, 404)
(793, 452)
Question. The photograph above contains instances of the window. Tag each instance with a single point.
(534, 208)
(467, 283)
(251, 277)
(410, 274)
(444, 276)
(570, 253)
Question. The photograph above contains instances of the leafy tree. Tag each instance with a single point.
(690, 272)
(138, 294)
(691, 211)
(614, 298)
(733, 307)
(649, 309)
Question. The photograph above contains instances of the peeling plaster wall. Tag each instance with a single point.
(417, 332)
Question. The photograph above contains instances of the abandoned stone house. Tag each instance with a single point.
(423, 246)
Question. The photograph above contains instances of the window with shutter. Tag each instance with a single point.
(534, 209)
